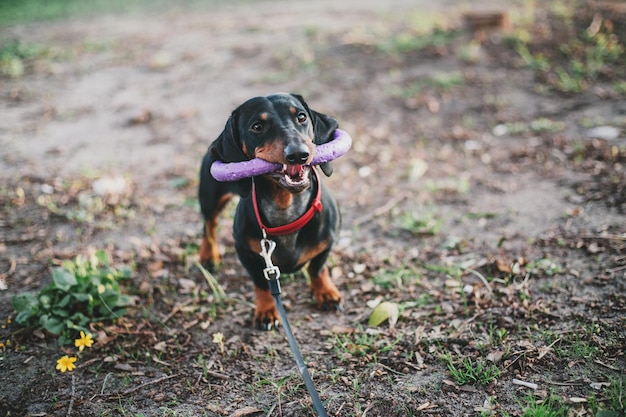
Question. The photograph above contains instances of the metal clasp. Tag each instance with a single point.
(270, 271)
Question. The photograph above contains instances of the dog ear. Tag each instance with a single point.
(324, 129)
(228, 148)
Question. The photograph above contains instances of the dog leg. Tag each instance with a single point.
(265, 314)
(209, 251)
(324, 290)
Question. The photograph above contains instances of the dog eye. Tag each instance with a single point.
(257, 127)
(301, 117)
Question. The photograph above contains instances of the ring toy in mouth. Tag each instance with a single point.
(234, 171)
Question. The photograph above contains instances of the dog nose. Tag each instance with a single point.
(296, 154)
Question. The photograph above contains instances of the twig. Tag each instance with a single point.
(606, 365)
(269, 413)
(545, 350)
(367, 410)
(390, 369)
(381, 210)
(565, 384)
(69, 408)
(145, 384)
(616, 269)
(482, 278)
(104, 383)
(607, 237)
(175, 310)
(525, 384)
(216, 374)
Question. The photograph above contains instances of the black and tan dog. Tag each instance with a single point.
(281, 129)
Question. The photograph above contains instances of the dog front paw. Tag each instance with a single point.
(266, 320)
(326, 293)
(265, 315)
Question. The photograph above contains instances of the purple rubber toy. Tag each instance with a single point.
(234, 171)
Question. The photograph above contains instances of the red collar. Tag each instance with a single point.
(316, 207)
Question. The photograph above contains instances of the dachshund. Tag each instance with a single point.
(282, 129)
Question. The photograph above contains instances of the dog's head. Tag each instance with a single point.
(280, 128)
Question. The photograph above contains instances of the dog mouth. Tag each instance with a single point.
(293, 177)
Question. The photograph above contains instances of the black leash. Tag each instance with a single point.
(272, 274)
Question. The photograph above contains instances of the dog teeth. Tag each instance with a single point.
(294, 170)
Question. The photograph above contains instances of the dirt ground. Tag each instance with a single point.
(486, 207)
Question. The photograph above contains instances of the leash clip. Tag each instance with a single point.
(271, 271)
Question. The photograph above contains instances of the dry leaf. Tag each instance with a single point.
(186, 285)
(495, 356)
(383, 312)
(246, 411)
(123, 367)
(503, 265)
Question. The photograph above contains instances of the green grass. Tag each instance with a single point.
(439, 83)
(552, 406)
(25, 11)
(411, 41)
(14, 12)
(616, 393)
(590, 53)
(471, 372)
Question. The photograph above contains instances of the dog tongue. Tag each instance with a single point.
(294, 170)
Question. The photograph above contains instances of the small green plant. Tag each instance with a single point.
(358, 344)
(497, 335)
(396, 278)
(362, 343)
(544, 266)
(453, 271)
(419, 225)
(82, 291)
(15, 55)
(467, 371)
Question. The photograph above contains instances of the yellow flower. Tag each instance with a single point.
(85, 340)
(66, 363)
(218, 338)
